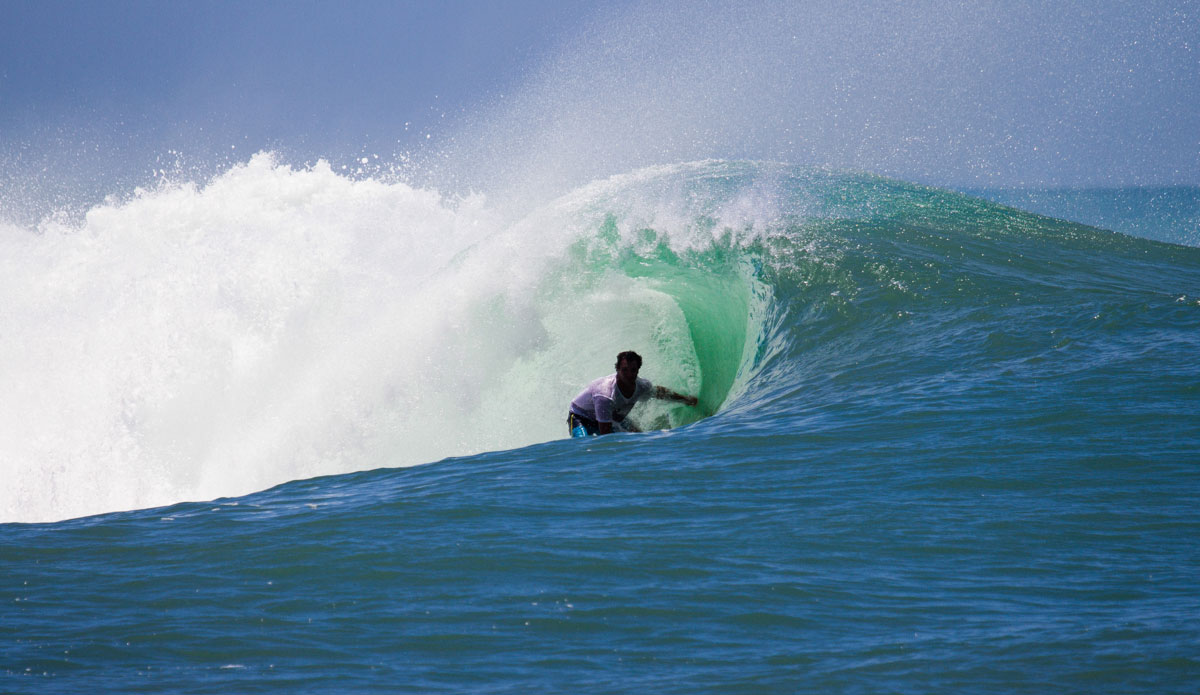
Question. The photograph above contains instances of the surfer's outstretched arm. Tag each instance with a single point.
(667, 394)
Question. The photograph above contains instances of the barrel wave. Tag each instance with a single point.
(198, 341)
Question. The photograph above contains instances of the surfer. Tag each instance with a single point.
(609, 399)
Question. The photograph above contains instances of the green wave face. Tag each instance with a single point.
(739, 277)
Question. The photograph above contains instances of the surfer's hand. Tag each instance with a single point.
(690, 400)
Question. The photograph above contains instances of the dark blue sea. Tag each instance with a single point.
(289, 430)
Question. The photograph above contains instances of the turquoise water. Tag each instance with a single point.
(942, 445)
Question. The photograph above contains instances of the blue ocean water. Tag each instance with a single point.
(1165, 213)
(942, 445)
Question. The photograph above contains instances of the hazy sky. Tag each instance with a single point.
(544, 93)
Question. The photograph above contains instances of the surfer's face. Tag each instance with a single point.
(626, 372)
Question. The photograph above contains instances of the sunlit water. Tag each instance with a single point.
(942, 445)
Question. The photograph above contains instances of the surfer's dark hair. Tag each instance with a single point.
(629, 356)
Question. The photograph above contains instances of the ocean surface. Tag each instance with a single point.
(298, 430)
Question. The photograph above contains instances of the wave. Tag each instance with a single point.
(197, 341)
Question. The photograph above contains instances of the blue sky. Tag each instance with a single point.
(97, 94)
(119, 87)
(265, 69)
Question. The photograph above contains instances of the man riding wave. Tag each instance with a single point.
(609, 399)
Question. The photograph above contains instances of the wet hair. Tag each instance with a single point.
(629, 356)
